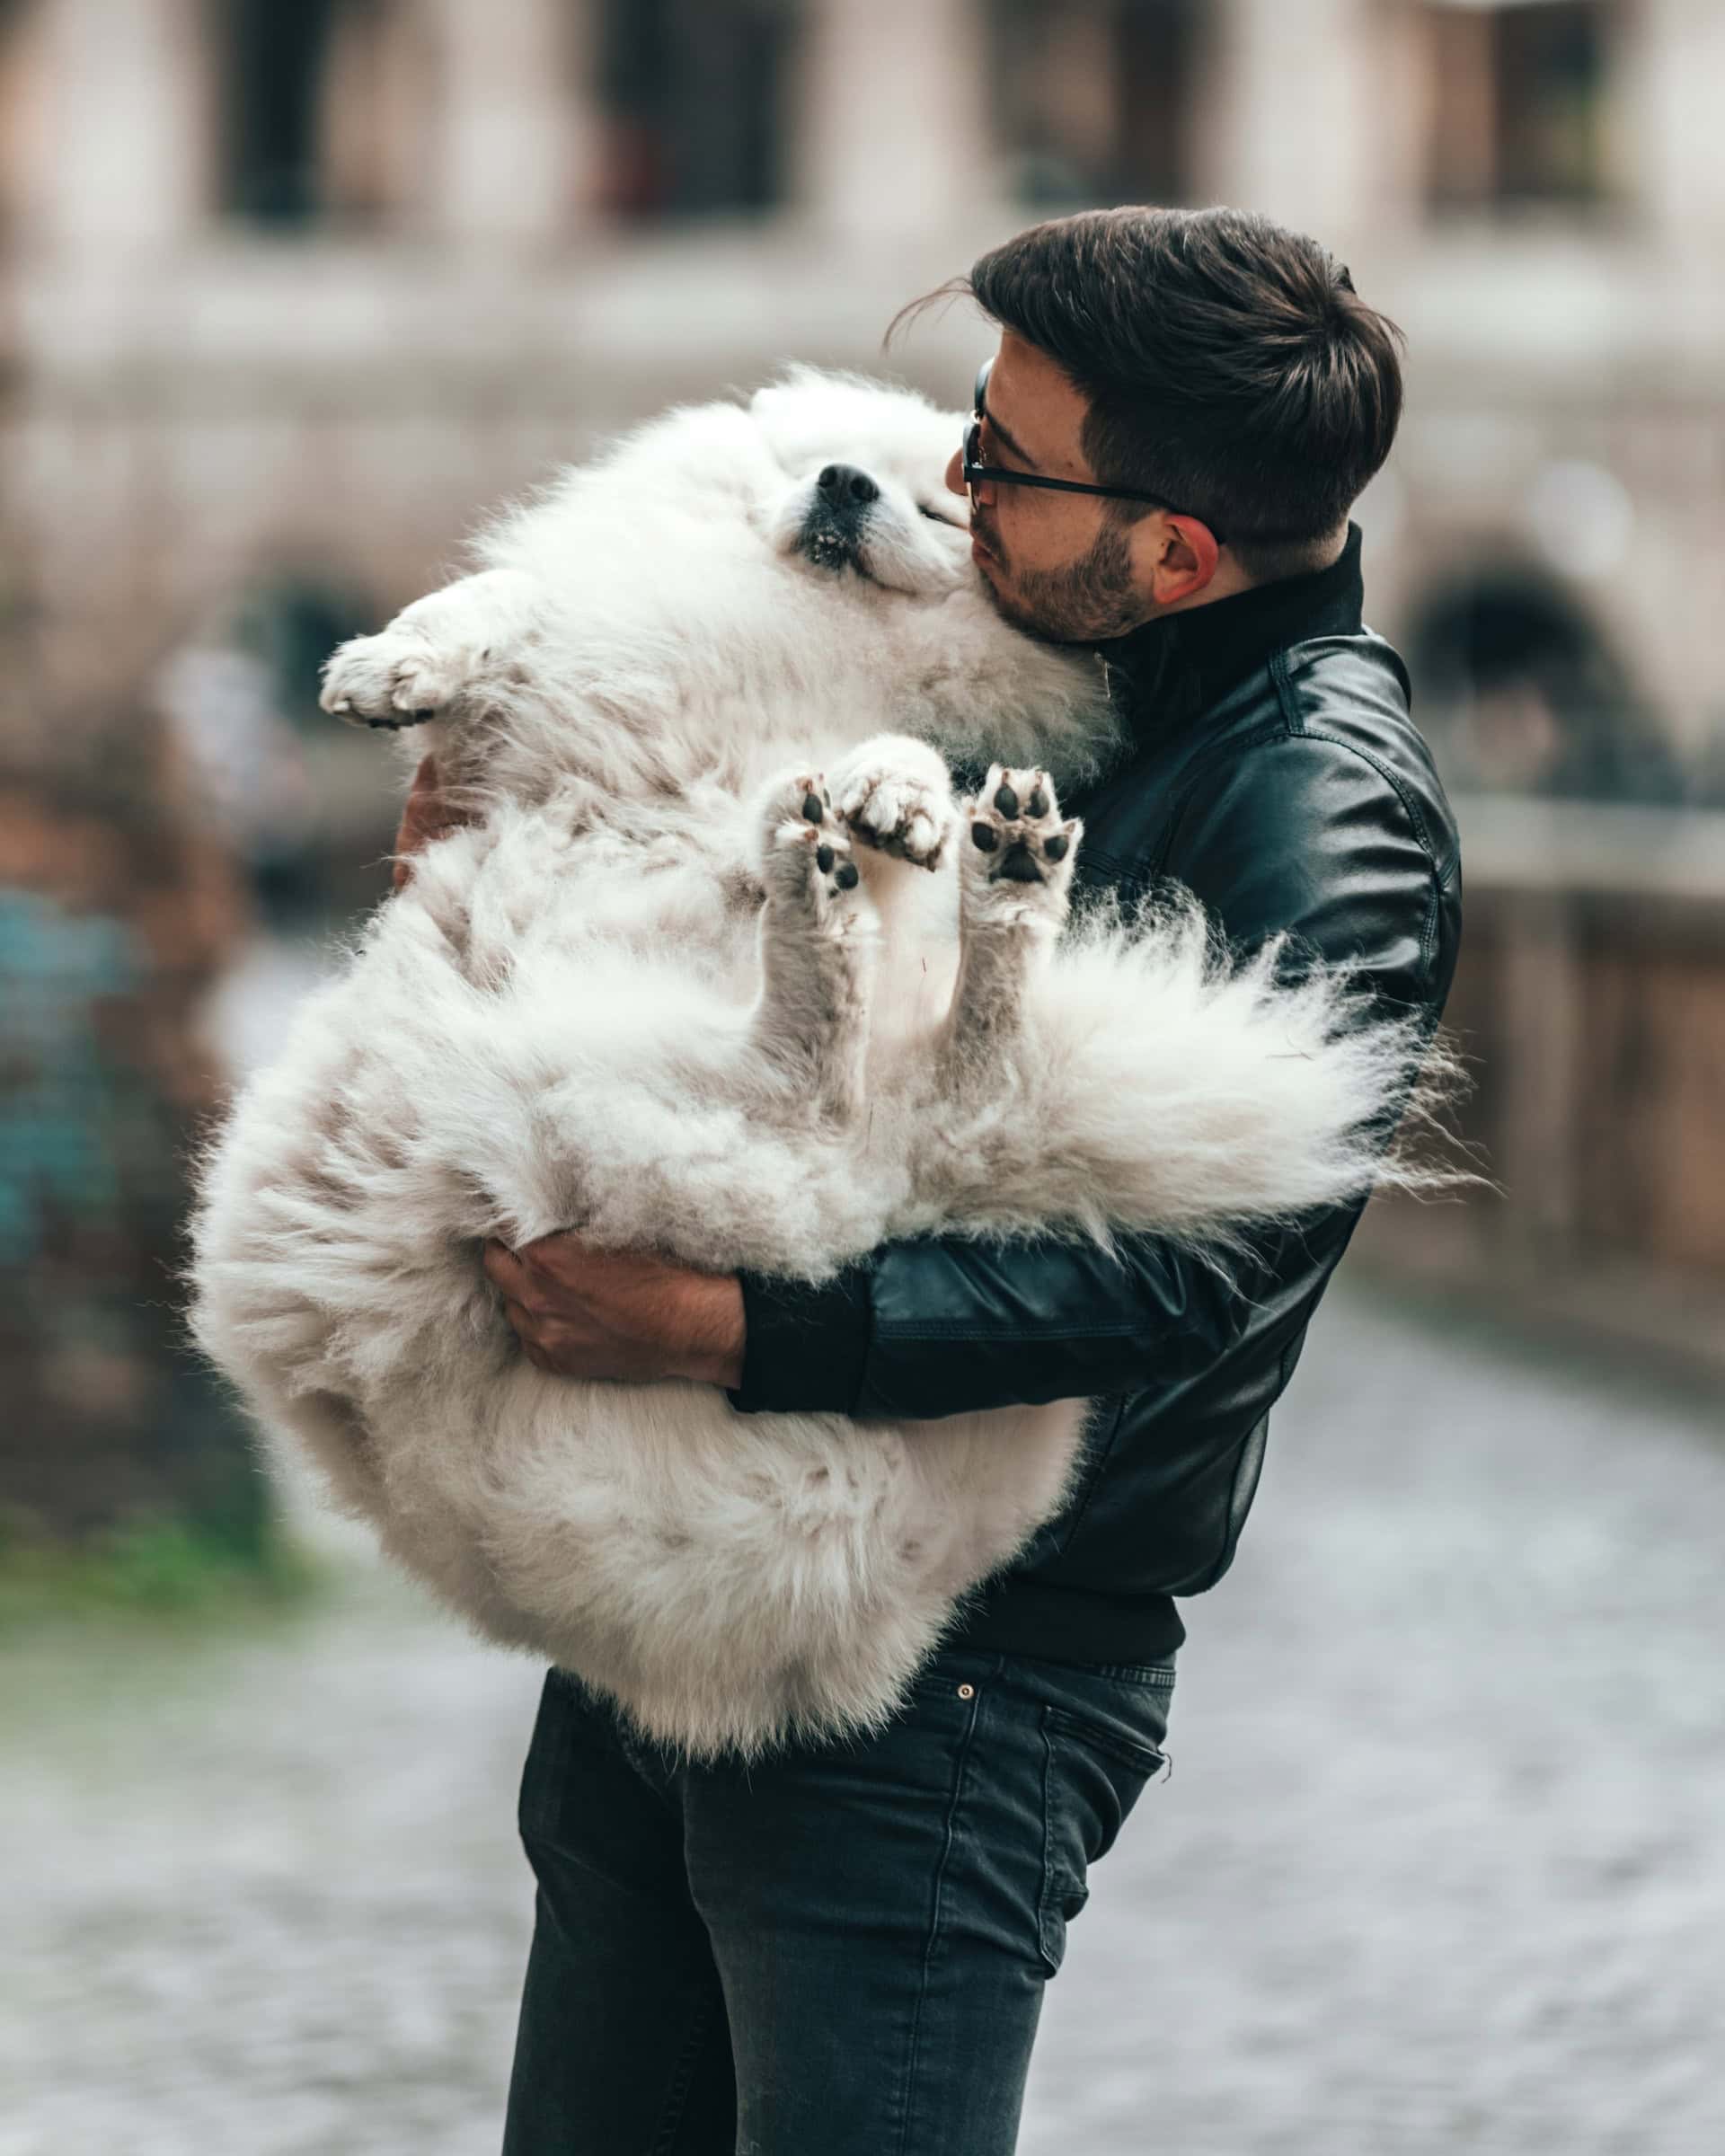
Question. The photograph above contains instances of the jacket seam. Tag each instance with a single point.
(1117, 872)
(1409, 806)
(1230, 1529)
(1097, 1469)
(1194, 775)
(1417, 824)
(958, 1329)
(1441, 871)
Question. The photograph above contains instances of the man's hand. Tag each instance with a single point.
(615, 1314)
(425, 815)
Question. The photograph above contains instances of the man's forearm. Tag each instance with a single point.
(946, 1326)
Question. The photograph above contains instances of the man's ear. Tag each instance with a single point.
(1175, 556)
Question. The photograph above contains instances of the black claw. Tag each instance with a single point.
(846, 877)
(812, 812)
(1038, 803)
(823, 857)
(1056, 847)
(985, 836)
(1005, 801)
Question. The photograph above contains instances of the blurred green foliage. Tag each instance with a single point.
(154, 1570)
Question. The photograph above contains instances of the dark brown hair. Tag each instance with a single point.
(1229, 365)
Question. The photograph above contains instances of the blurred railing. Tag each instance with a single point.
(1590, 1002)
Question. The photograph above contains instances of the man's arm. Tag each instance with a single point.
(945, 1325)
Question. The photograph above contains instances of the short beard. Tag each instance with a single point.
(1091, 601)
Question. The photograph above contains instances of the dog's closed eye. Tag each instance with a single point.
(934, 517)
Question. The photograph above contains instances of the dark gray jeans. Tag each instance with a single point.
(839, 1950)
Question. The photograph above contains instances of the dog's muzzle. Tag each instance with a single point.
(832, 530)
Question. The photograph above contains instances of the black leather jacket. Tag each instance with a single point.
(1275, 771)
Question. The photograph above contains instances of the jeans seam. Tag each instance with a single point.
(677, 2096)
(950, 1837)
(1050, 1960)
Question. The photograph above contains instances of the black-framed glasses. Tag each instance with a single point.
(979, 474)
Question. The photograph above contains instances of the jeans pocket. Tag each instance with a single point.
(1091, 1777)
(576, 1735)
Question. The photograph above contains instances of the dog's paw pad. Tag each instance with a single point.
(818, 860)
(798, 806)
(1017, 834)
(807, 847)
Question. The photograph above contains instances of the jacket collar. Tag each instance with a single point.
(1179, 666)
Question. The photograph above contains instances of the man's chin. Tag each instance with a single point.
(1003, 602)
(1016, 615)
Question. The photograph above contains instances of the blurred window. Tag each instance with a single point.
(319, 119)
(1519, 99)
(1520, 693)
(19, 93)
(1094, 97)
(276, 62)
(693, 93)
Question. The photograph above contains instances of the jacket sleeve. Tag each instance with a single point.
(1303, 835)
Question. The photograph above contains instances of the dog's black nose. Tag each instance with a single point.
(847, 488)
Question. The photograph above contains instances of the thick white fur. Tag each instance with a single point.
(629, 999)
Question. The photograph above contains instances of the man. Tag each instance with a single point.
(845, 1949)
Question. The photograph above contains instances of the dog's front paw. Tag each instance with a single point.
(807, 854)
(394, 679)
(1017, 848)
(895, 795)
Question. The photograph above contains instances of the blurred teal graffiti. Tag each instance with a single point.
(110, 1427)
(66, 1104)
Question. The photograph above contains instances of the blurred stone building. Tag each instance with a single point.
(289, 292)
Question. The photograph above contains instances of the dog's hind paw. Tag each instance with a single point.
(393, 679)
(808, 852)
(1018, 852)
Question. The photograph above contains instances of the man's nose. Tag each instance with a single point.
(847, 488)
(955, 474)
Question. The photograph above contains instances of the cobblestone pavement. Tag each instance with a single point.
(1441, 1866)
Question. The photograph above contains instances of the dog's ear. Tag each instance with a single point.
(800, 385)
(785, 421)
(774, 401)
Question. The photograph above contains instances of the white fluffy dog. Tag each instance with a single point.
(721, 968)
